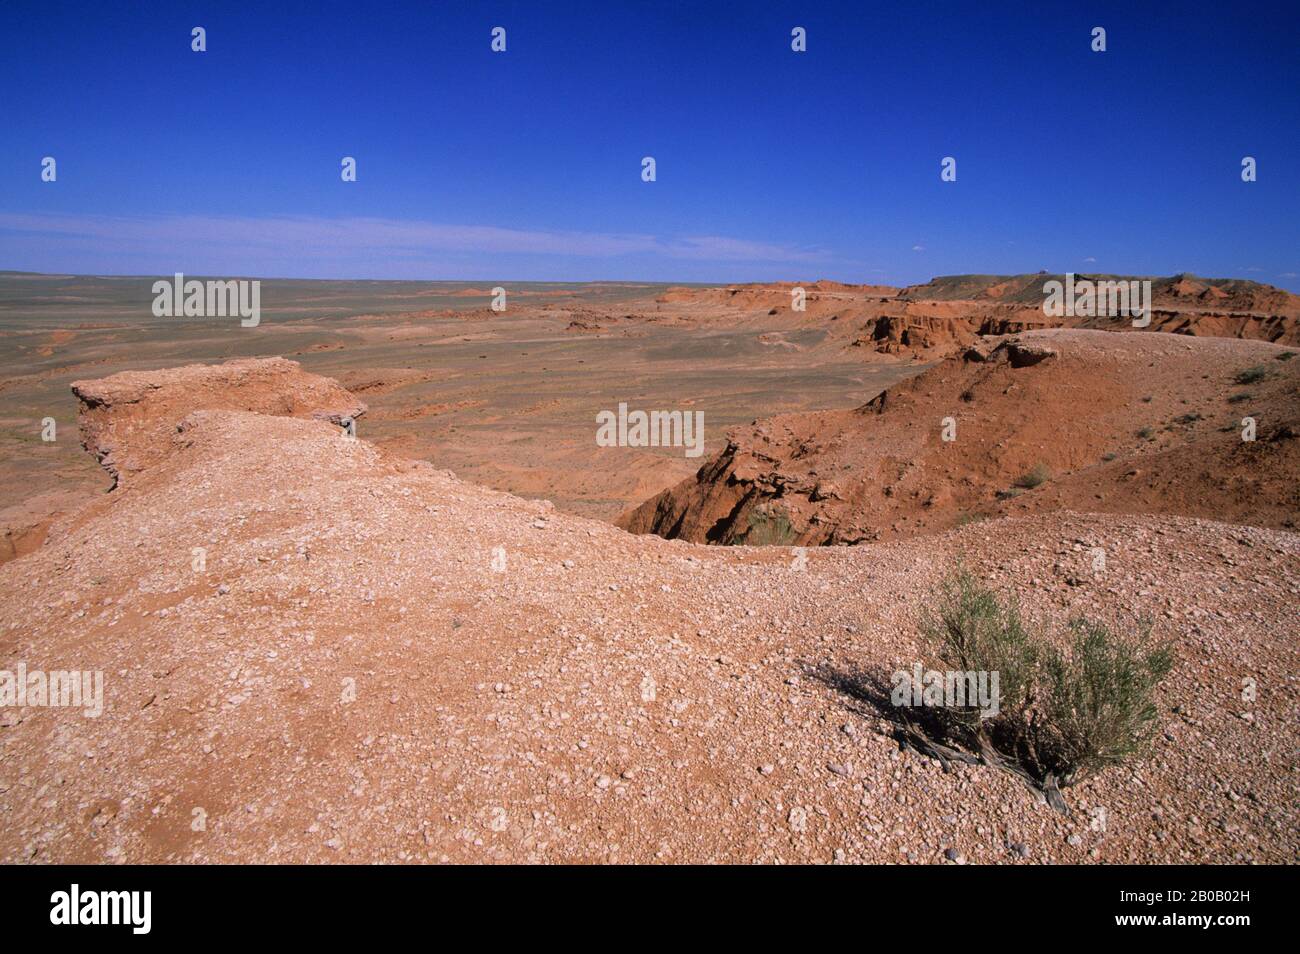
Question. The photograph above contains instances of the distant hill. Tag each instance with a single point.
(1184, 291)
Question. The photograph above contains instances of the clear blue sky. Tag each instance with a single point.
(771, 164)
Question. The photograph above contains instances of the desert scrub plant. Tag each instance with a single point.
(1100, 700)
(1034, 477)
(1062, 714)
(1286, 355)
(1146, 433)
(1239, 397)
(1251, 375)
(768, 527)
(971, 630)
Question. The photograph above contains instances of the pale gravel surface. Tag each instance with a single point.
(605, 698)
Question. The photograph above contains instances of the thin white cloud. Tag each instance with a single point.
(719, 248)
(352, 237)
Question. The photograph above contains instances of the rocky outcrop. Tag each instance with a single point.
(899, 334)
(1046, 420)
(1173, 293)
(128, 420)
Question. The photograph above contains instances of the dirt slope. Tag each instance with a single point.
(1121, 423)
(349, 678)
(125, 418)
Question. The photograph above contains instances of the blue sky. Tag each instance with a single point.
(771, 164)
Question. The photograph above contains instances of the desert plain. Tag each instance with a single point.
(471, 633)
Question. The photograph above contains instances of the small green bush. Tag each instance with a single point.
(1063, 713)
(1036, 476)
(1251, 375)
(1099, 704)
(972, 630)
(768, 527)
(1238, 398)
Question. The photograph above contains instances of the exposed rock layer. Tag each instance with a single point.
(1142, 423)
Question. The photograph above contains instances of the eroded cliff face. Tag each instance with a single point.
(127, 420)
(1044, 420)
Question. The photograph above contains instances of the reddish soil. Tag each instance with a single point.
(1148, 423)
(380, 662)
(324, 648)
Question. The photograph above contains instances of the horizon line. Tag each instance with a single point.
(637, 281)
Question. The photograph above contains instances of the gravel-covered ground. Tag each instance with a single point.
(379, 662)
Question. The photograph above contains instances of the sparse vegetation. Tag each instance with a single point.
(972, 631)
(1099, 703)
(1034, 477)
(1251, 375)
(968, 395)
(1187, 418)
(1010, 493)
(1109, 457)
(1239, 397)
(768, 527)
(1146, 433)
(1286, 355)
(1063, 714)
